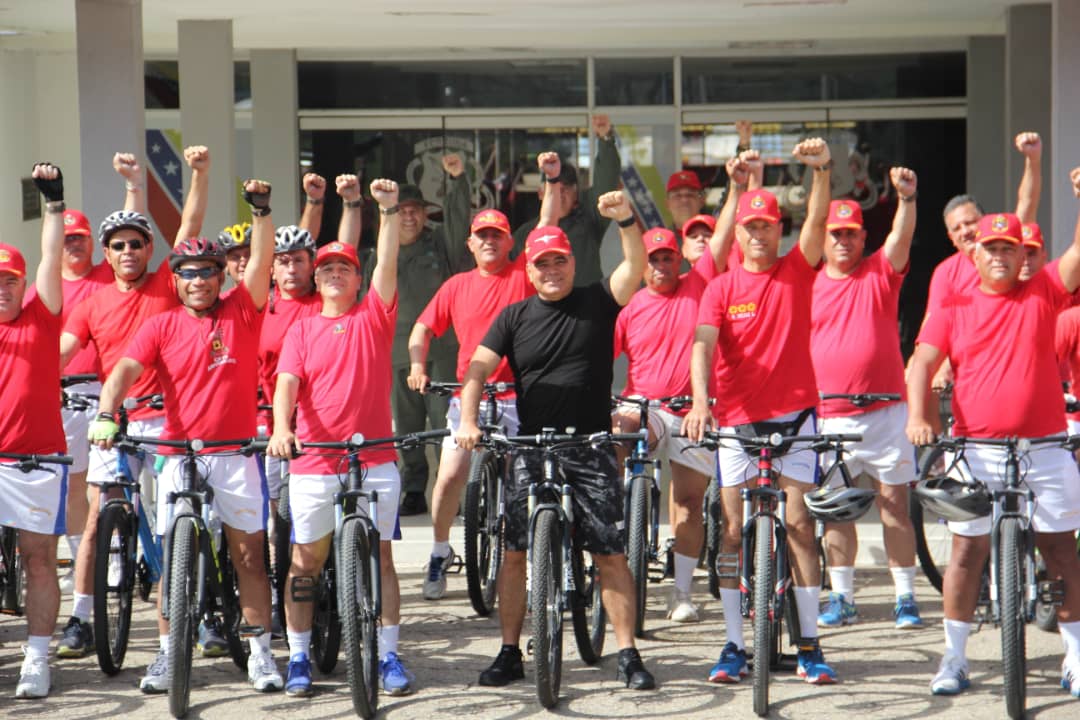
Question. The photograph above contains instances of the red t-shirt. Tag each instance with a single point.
(1067, 345)
(109, 319)
(280, 315)
(344, 368)
(854, 337)
(762, 362)
(954, 275)
(30, 375)
(1002, 350)
(75, 291)
(207, 368)
(470, 302)
(656, 332)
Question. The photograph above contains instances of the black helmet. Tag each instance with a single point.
(953, 499)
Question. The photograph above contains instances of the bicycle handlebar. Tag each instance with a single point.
(818, 443)
(861, 399)
(549, 440)
(443, 389)
(673, 402)
(1023, 445)
(245, 446)
(359, 442)
(26, 463)
(67, 381)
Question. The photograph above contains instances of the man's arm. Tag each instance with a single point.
(626, 278)
(924, 362)
(1069, 267)
(419, 343)
(127, 166)
(897, 246)
(1030, 190)
(257, 271)
(113, 391)
(483, 363)
(50, 181)
(352, 210)
(739, 170)
(814, 153)
(69, 345)
(457, 213)
(384, 277)
(314, 196)
(607, 167)
(551, 201)
(284, 440)
(198, 159)
(699, 419)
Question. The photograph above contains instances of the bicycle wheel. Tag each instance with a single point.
(357, 605)
(547, 606)
(587, 612)
(1012, 559)
(714, 528)
(114, 585)
(483, 532)
(282, 546)
(231, 615)
(933, 541)
(637, 550)
(763, 624)
(183, 612)
(325, 624)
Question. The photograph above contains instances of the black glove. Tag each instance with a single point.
(53, 190)
(260, 202)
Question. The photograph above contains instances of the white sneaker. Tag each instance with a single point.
(34, 677)
(435, 575)
(952, 676)
(263, 673)
(680, 608)
(67, 582)
(156, 679)
(1070, 675)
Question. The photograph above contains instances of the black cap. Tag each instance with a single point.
(410, 194)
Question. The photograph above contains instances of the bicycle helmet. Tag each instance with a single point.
(290, 237)
(234, 236)
(124, 219)
(953, 499)
(196, 248)
(839, 504)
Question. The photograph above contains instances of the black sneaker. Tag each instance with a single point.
(413, 503)
(506, 669)
(632, 671)
(78, 639)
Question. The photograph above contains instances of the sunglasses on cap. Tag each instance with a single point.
(204, 273)
(132, 244)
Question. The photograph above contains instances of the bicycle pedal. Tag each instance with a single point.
(250, 631)
(1051, 592)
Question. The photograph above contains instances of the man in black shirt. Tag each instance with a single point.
(559, 347)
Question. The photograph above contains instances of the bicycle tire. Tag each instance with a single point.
(546, 606)
(637, 549)
(357, 606)
(714, 528)
(13, 575)
(325, 623)
(483, 533)
(113, 600)
(763, 625)
(1013, 615)
(282, 547)
(930, 549)
(232, 615)
(587, 613)
(183, 612)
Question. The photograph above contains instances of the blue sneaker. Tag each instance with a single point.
(298, 681)
(731, 667)
(812, 667)
(396, 680)
(1070, 675)
(837, 611)
(906, 612)
(211, 643)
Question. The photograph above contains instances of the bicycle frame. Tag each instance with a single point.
(764, 499)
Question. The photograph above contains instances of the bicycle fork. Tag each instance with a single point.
(374, 559)
(764, 498)
(1006, 504)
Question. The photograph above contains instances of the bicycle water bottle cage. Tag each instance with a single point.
(784, 429)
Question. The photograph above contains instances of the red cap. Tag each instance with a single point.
(490, 219)
(337, 251)
(1000, 226)
(1032, 235)
(75, 223)
(660, 239)
(683, 179)
(12, 261)
(758, 205)
(844, 214)
(546, 239)
(707, 220)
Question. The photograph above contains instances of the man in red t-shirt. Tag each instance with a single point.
(855, 349)
(327, 362)
(1000, 339)
(755, 318)
(33, 502)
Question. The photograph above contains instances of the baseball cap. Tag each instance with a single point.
(999, 226)
(546, 239)
(337, 251)
(844, 214)
(12, 261)
(683, 179)
(490, 219)
(660, 239)
(1032, 235)
(707, 220)
(410, 194)
(75, 223)
(758, 205)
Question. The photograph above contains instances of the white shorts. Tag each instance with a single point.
(34, 501)
(239, 490)
(799, 464)
(77, 427)
(506, 415)
(664, 437)
(1049, 471)
(311, 502)
(275, 472)
(102, 467)
(884, 453)
(1073, 425)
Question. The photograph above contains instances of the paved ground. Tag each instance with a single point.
(884, 671)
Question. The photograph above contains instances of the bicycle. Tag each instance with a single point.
(355, 587)
(557, 578)
(765, 564)
(933, 542)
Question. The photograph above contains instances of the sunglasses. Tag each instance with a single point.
(133, 244)
(204, 273)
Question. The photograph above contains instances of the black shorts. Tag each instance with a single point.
(596, 483)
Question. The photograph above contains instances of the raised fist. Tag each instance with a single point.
(754, 164)
(549, 163)
(348, 187)
(257, 194)
(614, 205)
(1030, 144)
(197, 157)
(745, 129)
(385, 192)
(601, 125)
(314, 185)
(49, 181)
(453, 164)
(904, 181)
(128, 166)
(1074, 178)
(813, 152)
(738, 170)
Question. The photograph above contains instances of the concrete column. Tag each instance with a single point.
(207, 114)
(1027, 93)
(275, 130)
(986, 148)
(1064, 126)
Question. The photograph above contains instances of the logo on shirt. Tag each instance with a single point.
(219, 351)
(1000, 224)
(742, 311)
(339, 329)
